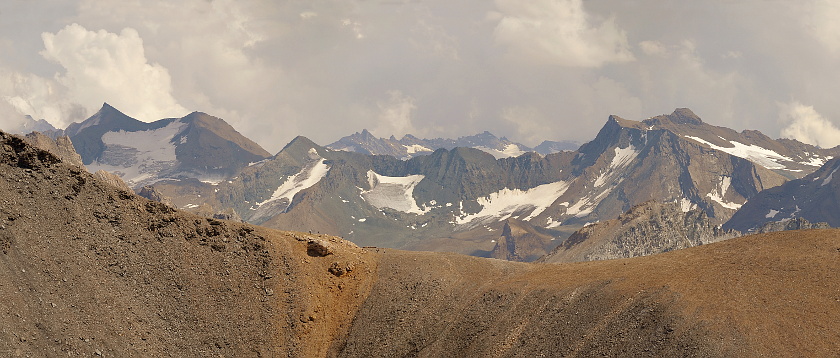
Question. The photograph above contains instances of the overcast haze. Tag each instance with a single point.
(528, 70)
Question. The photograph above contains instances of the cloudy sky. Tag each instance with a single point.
(528, 70)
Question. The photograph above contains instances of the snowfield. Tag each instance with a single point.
(503, 204)
(310, 175)
(622, 158)
(393, 192)
(139, 156)
(511, 150)
(758, 155)
(717, 194)
(416, 148)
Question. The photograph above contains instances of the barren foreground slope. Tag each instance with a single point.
(87, 270)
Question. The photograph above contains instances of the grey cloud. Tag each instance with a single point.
(328, 68)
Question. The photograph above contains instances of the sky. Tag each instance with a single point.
(527, 70)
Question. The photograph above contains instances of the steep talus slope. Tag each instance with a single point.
(117, 275)
(88, 269)
(815, 198)
(645, 229)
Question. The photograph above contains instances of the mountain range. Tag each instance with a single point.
(197, 146)
(410, 146)
(116, 275)
(454, 197)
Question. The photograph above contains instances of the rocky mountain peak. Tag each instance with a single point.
(685, 115)
(300, 146)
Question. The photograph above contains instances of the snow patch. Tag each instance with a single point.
(393, 192)
(586, 205)
(310, 175)
(622, 158)
(686, 205)
(829, 177)
(504, 203)
(758, 155)
(511, 150)
(771, 214)
(816, 161)
(416, 148)
(718, 193)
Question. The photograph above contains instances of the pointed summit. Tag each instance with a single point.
(87, 135)
(685, 116)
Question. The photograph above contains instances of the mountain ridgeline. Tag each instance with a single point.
(195, 146)
(466, 199)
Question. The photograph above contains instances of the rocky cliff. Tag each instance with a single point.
(646, 229)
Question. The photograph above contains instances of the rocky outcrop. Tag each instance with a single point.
(520, 241)
(645, 229)
(151, 193)
(114, 180)
(61, 147)
(793, 224)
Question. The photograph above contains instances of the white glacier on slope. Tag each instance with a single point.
(758, 155)
(310, 175)
(511, 150)
(139, 156)
(393, 192)
(506, 202)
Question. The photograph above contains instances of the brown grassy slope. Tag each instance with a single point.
(764, 295)
(87, 268)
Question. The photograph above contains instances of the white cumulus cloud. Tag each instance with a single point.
(559, 32)
(395, 115)
(102, 66)
(806, 125)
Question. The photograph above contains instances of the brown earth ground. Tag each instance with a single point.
(89, 270)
